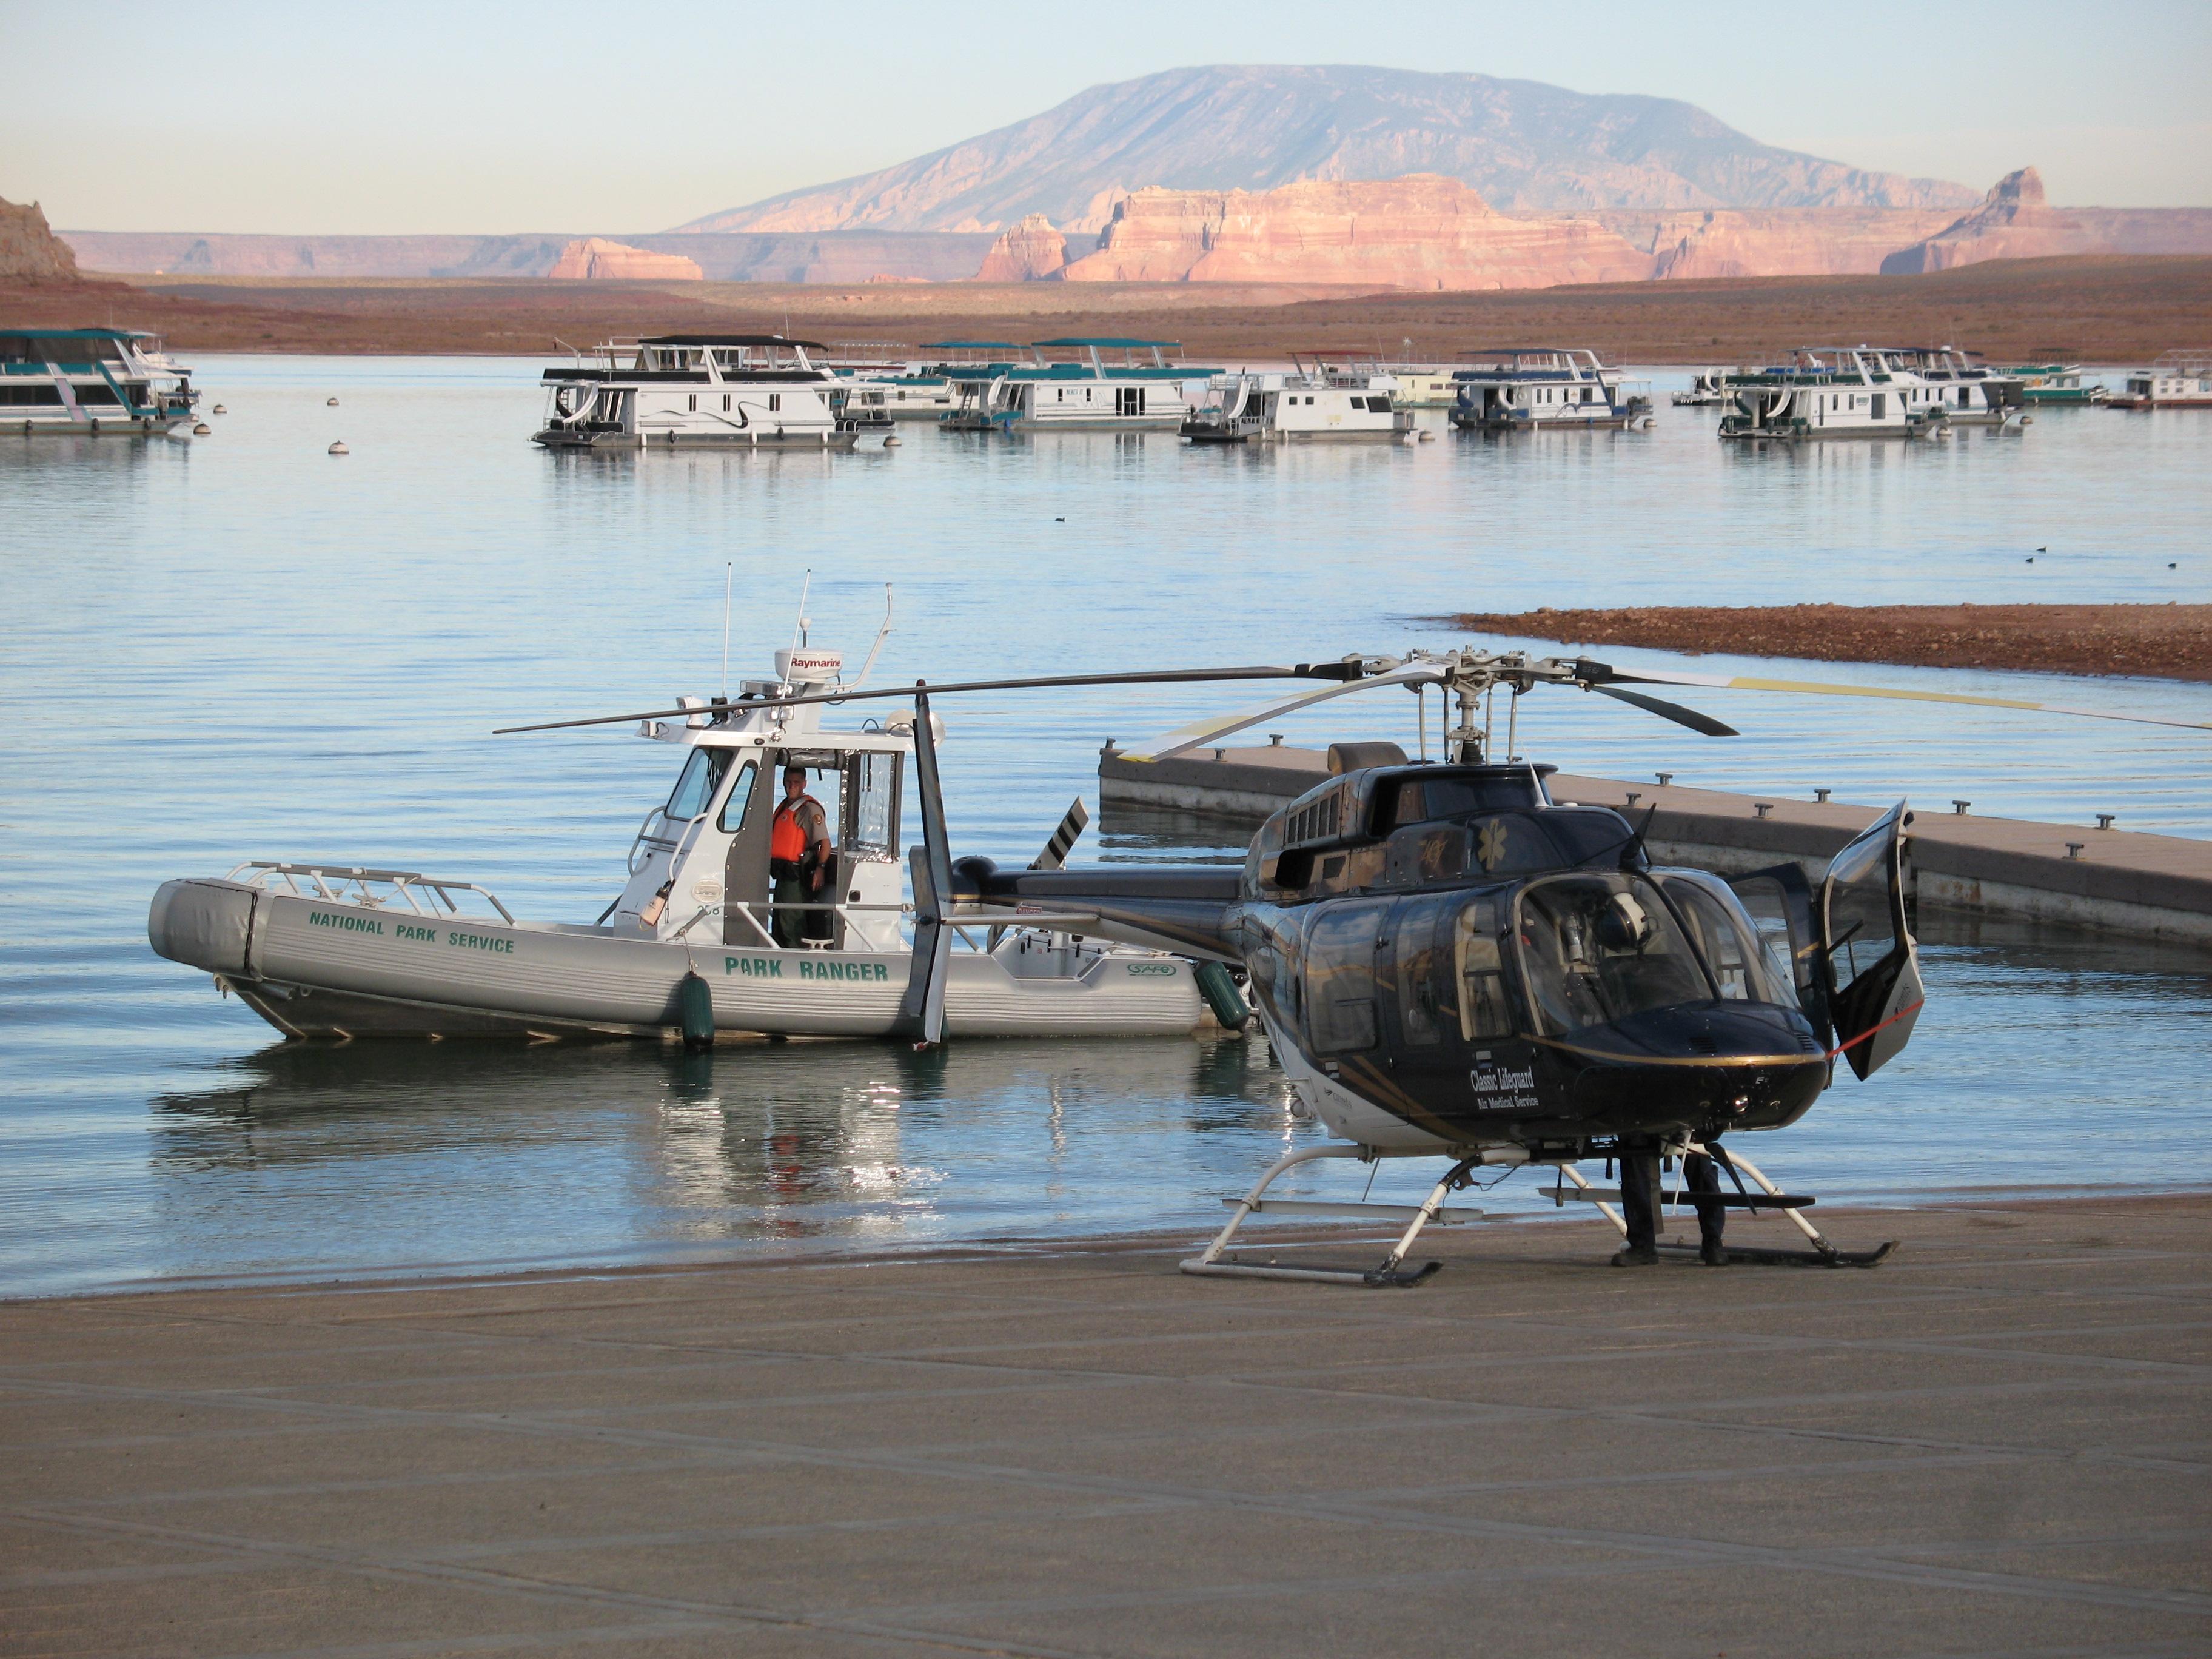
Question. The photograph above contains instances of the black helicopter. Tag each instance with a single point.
(1449, 963)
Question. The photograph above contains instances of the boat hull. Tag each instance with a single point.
(35, 422)
(561, 438)
(315, 968)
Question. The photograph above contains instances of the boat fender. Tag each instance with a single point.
(651, 914)
(1220, 993)
(695, 1005)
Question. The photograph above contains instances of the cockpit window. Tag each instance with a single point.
(1746, 966)
(1595, 948)
(695, 785)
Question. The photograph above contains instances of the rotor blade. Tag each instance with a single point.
(1303, 671)
(1204, 730)
(1670, 711)
(1597, 672)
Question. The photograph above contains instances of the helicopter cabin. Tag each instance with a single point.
(1544, 389)
(700, 390)
(91, 380)
(1315, 403)
(1476, 940)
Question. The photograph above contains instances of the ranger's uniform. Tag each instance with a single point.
(797, 844)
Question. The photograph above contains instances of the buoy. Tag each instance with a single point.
(1427, 437)
(695, 1005)
(202, 429)
(891, 442)
(219, 410)
(332, 403)
(340, 449)
(2027, 420)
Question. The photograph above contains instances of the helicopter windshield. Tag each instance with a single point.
(1598, 948)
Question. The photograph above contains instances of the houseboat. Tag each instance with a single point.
(113, 380)
(1544, 389)
(1707, 387)
(2056, 382)
(699, 917)
(1832, 391)
(1081, 392)
(2178, 380)
(699, 392)
(1310, 403)
(1971, 393)
(1423, 382)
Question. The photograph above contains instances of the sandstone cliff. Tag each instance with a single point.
(28, 250)
(1522, 144)
(1781, 241)
(1029, 253)
(1423, 231)
(596, 259)
(2013, 222)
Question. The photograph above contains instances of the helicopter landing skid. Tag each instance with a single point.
(1822, 1255)
(1389, 1275)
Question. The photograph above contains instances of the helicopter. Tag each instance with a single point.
(1448, 963)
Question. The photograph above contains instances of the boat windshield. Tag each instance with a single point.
(695, 786)
(1596, 948)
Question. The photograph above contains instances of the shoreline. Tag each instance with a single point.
(2171, 641)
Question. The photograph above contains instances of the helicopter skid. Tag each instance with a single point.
(1759, 1256)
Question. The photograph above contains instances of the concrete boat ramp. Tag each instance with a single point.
(2111, 879)
(1995, 1444)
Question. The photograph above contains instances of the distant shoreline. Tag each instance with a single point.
(2110, 309)
(2160, 642)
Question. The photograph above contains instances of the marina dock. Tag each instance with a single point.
(1992, 1444)
(2113, 880)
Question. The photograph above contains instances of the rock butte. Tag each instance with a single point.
(28, 250)
(597, 259)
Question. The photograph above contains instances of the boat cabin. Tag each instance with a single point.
(1544, 388)
(1072, 384)
(711, 391)
(91, 380)
(2178, 380)
(1313, 401)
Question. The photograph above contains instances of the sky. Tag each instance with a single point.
(554, 116)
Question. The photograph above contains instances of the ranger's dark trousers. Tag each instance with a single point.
(1639, 1197)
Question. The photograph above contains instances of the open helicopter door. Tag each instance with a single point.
(1873, 966)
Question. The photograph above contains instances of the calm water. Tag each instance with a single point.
(241, 647)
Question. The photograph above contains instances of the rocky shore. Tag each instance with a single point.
(2166, 642)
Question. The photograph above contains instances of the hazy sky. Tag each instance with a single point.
(562, 115)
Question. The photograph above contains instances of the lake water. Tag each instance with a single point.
(242, 647)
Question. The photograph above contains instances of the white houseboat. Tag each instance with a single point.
(115, 380)
(1707, 387)
(1312, 403)
(1971, 393)
(2178, 380)
(1083, 392)
(698, 936)
(699, 391)
(1832, 391)
(1544, 389)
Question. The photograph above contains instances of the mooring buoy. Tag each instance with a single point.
(339, 448)
(219, 410)
(331, 403)
(202, 429)
(891, 442)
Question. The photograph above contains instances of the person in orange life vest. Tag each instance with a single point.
(797, 856)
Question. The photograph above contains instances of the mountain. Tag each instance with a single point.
(1522, 145)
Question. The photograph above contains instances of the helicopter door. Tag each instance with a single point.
(1339, 973)
(1781, 904)
(1873, 966)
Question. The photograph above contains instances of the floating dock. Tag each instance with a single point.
(2116, 881)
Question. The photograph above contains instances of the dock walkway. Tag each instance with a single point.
(1994, 1444)
(2114, 880)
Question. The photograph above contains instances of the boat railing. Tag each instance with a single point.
(996, 921)
(373, 890)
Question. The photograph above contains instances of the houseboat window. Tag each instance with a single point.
(741, 795)
(694, 403)
(1596, 949)
(1484, 1008)
(726, 401)
(775, 401)
(696, 784)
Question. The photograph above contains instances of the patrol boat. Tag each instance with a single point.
(1312, 403)
(115, 380)
(699, 391)
(1083, 393)
(1544, 389)
(332, 951)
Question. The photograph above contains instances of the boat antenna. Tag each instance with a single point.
(799, 624)
(882, 634)
(729, 569)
